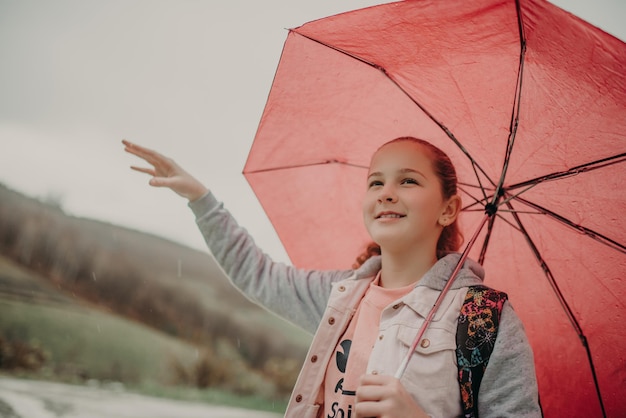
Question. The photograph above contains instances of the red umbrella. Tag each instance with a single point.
(529, 101)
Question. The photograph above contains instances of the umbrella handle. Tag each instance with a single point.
(444, 291)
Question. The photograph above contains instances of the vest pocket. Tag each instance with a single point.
(433, 364)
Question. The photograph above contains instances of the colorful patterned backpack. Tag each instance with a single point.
(475, 337)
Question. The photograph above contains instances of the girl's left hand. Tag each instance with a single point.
(385, 397)
(166, 173)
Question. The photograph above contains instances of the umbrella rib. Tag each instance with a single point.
(462, 187)
(589, 232)
(483, 250)
(563, 303)
(481, 187)
(287, 167)
(422, 108)
(583, 168)
(527, 212)
(594, 165)
(516, 104)
(511, 224)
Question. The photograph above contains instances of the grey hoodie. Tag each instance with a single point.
(310, 298)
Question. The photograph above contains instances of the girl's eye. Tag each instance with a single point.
(375, 183)
(409, 181)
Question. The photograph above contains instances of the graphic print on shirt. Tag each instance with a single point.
(342, 361)
(337, 408)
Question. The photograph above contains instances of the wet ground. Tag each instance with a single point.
(34, 399)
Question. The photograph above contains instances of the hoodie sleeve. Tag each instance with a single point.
(509, 385)
(297, 295)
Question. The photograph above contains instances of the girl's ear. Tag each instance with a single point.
(450, 211)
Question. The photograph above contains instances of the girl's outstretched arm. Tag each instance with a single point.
(166, 173)
(297, 295)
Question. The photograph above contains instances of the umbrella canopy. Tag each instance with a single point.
(529, 102)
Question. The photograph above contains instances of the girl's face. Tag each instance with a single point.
(404, 201)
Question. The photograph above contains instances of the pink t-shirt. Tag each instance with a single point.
(352, 353)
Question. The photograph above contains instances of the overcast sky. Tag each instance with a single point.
(186, 77)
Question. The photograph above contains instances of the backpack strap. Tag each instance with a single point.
(475, 337)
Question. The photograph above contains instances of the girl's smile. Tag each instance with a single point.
(389, 215)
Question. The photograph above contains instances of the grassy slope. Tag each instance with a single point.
(155, 259)
(79, 338)
(76, 336)
(86, 338)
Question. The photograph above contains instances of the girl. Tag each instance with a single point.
(365, 319)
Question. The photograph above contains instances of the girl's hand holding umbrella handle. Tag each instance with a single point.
(166, 173)
(383, 396)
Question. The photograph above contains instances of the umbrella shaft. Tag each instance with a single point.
(437, 303)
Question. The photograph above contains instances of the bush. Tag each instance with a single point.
(283, 372)
(18, 355)
(207, 372)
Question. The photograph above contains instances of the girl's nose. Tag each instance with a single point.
(387, 195)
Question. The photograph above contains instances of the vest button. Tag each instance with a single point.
(331, 320)
(313, 359)
(425, 343)
(342, 288)
(299, 398)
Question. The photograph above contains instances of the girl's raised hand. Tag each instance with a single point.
(166, 173)
(385, 397)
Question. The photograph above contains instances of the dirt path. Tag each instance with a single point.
(33, 399)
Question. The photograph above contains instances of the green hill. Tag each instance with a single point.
(82, 299)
